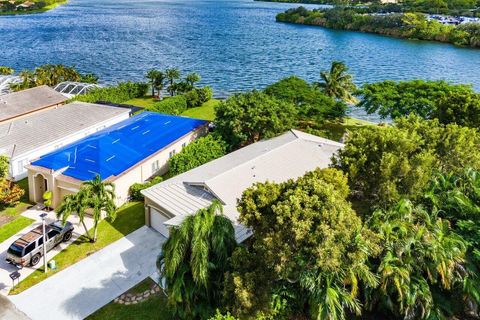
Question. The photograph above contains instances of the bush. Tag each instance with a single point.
(134, 191)
(47, 198)
(195, 154)
(172, 105)
(198, 96)
(10, 193)
(122, 92)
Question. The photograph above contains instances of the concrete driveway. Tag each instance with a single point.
(85, 287)
(6, 269)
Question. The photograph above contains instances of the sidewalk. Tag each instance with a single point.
(6, 268)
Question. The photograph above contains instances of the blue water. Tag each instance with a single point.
(235, 45)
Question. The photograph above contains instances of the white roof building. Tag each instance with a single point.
(29, 137)
(288, 156)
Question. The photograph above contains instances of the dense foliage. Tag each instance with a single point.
(10, 192)
(4, 165)
(402, 25)
(198, 152)
(193, 262)
(135, 189)
(385, 164)
(450, 103)
(171, 105)
(311, 104)
(122, 92)
(249, 117)
(309, 247)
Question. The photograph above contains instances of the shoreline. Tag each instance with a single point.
(36, 11)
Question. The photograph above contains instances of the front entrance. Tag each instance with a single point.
(40, 186)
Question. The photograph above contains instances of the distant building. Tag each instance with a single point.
(288, 156)
(27, 138)
(27, 102)
(128, 152)
(26, 5)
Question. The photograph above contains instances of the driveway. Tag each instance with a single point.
(88, 285)
(6, 268)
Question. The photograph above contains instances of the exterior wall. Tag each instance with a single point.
(139, 173)
(18, 163)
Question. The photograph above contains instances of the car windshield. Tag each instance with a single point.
(15, 250)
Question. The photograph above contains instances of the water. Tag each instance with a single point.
(235, 45)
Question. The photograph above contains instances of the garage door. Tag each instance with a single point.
(157, 221)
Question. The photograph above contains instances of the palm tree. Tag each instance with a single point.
(28, 81)
(95, 196)
(191, 79)
(152, 76)
(338, 83)
(193, 262)
(159, 82)
(172, 74)
(6, 71)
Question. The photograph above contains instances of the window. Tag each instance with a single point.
(172, 153)
(29, 248)
(155, 166)
(184, 145)
(40, 241)
(52, 233)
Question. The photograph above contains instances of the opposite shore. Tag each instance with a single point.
(29, 7)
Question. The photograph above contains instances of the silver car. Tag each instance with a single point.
(28, 250)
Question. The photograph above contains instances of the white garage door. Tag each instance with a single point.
(157, 221)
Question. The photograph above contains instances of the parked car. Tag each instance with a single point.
(28, 250)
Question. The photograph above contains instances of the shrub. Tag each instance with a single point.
(10, 193)
(198, 96)
(47, 198)
(198, 152)
(134, 191)
(171, 105)
(122, 92)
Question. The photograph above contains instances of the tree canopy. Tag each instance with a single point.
(249, 117)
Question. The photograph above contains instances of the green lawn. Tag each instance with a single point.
(143, 102)
(205, 112)
(153, 308)
(335, 130)
(10, 213)
(9, 229)
(130, 217)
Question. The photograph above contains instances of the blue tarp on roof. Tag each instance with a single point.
(113, 150)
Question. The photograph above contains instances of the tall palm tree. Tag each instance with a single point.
(159, 83)
(94, 196)
(152, 76)
(28, 81)
(194, 260)
(192, 78)
(337, 83)
(172, 74)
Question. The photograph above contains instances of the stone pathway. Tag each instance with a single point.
(134, 298)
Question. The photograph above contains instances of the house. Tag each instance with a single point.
(26, 5)
(26, 102)
(288, 156)
(128, 152)
(27, 138)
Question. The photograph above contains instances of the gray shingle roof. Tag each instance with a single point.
(20, 103)
(34, 131)
(288, 156)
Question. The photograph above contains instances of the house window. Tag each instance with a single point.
(21, 166)
(155, 166)
(172, 153)
(184, 145)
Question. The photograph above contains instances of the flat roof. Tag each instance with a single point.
(113, 150)
(23, 102)
(34, 131)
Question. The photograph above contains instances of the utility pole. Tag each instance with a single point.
(43, 216)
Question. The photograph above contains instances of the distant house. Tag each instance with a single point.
(27, 138)
(288, 156)
(128, 152)
(26, 102)
(26, 5)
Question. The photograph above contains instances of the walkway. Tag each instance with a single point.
(6, 268)
(83, 288)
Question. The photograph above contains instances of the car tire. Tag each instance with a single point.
(35, 260)
(67, 236)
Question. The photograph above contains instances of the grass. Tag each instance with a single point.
(143, 286)
(10, 213)
(153, 308)
(205, 112)
(143, 102)
(130, 217)
(335, 130)
(12, 227)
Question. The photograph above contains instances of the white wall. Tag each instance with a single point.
(18, 163)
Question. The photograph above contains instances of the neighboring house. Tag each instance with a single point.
(131, 151)
(288, 156)
(27, 138)
(26, 102)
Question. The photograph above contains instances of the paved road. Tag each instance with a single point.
(83, 288)
(6, 269)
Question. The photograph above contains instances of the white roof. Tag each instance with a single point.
(16, 104)
(288, 156)
(32, 132)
